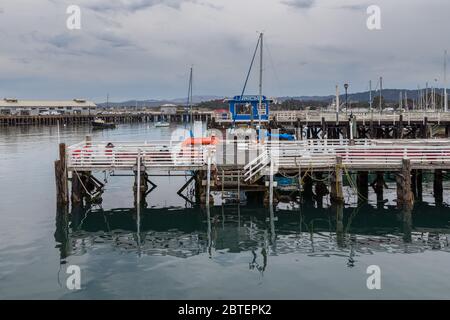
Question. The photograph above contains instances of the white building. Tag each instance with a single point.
(11, 106)
(169, 109)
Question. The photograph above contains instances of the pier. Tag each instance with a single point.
(116, 117)
(311, 124)
(302, 124)
(256, 168)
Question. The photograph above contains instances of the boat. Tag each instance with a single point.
(161, 124)
(205, 141)
(98, 123)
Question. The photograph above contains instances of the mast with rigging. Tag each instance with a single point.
(445, 82)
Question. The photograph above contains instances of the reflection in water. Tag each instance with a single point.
(263, 233)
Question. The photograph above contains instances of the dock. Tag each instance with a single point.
(314, 124)
(304, 124)
(116, 117)
(315, 167)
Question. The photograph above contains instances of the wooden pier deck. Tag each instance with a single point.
(251, 167)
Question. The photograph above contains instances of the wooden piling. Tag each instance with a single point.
(340, 231)
(323, 128)
(407, 224)
(419, 185)
(61, 234)
(321, 189)
(378, 186)
(425, 131)
(77, 189)
(307, 188)
(400, 128)
(362, 182)
(337, 193)
(61, 179)
(438, 189)
(198, 186)
(140, 186)
(414, 182)
(405, 197)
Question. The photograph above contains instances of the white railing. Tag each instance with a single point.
(122, 155)
(255, 157)
(366, 157)
(376, 116)
(255, 167)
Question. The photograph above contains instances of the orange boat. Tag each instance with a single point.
(201, 141)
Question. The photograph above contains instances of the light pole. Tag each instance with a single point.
(346, 97)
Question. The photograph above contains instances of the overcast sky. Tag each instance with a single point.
(143, 48)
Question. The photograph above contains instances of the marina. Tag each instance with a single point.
(225, 151)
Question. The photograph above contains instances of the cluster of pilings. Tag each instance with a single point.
(313, 187)
(85, 189)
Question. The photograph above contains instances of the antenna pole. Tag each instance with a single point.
(261, 37)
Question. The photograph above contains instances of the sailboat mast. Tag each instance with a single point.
(337, 104)
(190, 101)
(261, 37)
(406, 100)
(445, 82)
(381, 92)
(418, 97)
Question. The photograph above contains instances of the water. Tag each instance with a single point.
(239, 253)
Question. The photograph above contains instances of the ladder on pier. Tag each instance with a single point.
(257, 168)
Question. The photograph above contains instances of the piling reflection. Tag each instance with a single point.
(263, 233)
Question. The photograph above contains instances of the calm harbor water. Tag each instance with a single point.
(184, 252)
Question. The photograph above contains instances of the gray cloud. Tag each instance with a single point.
(130, 5)
(303, 4)
(21, 60)
(354, 7)
(114, 40)
(61, 41)
(142, 49)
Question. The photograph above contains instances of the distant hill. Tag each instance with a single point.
(157, 103)
(389, 95)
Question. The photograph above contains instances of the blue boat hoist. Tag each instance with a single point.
(247, 108)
